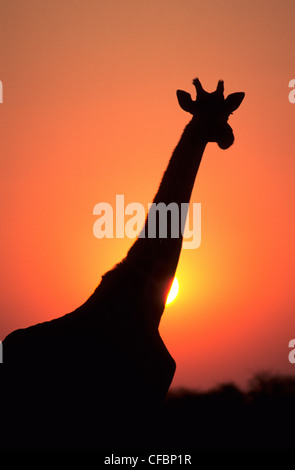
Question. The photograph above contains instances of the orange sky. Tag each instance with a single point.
(90, 111)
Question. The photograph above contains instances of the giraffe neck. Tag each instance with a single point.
(155, 259)
(178, 180)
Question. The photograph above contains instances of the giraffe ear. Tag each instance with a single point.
(233, 101)
(185, 101)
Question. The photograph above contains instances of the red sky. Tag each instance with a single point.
(89, 111)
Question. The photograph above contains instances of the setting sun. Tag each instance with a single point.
(173, 291)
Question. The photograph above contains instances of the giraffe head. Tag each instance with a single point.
(211, 111)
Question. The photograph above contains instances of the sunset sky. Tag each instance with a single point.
(90, 111)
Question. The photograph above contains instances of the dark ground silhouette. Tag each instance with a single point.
(227, 418)
(222, 418)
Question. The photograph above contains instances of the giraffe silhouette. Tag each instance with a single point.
(78, 379)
